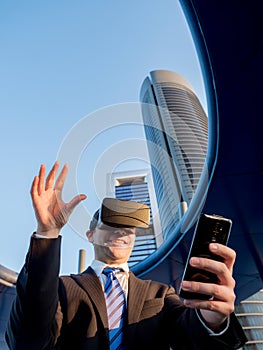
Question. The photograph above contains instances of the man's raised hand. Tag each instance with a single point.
(52, 213)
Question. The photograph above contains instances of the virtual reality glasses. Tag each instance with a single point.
(120, 213)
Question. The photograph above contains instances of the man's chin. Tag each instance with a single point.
(120, 251)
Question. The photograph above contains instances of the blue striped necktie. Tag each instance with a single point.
(116, 306)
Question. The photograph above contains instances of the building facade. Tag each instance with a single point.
(250, 315)
(137, 186)
(176, 130)
(7, 294)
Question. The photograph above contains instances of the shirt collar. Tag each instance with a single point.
(98, 266)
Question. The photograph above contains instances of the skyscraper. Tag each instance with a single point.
(7, 294)
(176, 130)
(137, 185)
(250, 315)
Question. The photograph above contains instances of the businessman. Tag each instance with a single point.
(106, 306)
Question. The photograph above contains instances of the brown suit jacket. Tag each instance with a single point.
(70, 312)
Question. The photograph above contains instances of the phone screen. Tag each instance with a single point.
(209, 228)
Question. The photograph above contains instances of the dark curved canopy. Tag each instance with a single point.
(229, 40)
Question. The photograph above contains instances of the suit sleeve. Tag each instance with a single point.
(188, 331)
(34, 320)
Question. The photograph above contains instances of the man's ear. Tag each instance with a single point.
(89, 235)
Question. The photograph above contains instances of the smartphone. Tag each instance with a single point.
(209, 229)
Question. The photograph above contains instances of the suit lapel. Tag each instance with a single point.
(91, 284)
(137, 294)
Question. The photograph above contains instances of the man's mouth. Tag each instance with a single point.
(117, 242)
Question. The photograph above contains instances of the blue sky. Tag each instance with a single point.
(64, 64)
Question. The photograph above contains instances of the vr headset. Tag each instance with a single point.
(121, 213)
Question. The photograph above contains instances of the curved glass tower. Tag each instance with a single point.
(7, 294)
(176, 130)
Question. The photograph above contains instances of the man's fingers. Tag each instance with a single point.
(216, 267)
(34, 187)
(223, 297)
(221, 307)
(228, 254)
(41, 176)
(39, 184)
(61, 179)
(38, 187)
(218, 292)
(51, 176)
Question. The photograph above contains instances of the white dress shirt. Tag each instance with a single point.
(99, 266)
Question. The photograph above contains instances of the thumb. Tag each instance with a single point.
(75, 201)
